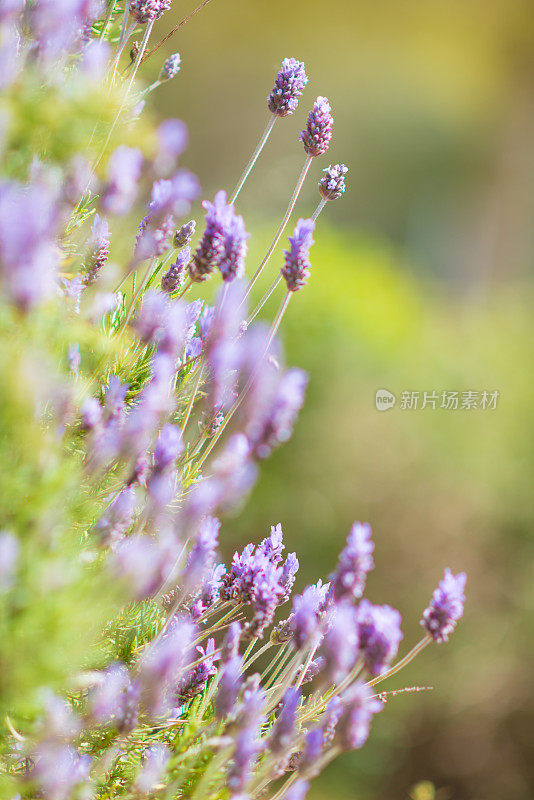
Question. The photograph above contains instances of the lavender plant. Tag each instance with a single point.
(133, 662)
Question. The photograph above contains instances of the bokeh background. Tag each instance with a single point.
(422, 280)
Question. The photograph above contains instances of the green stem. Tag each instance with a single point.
(253, 159)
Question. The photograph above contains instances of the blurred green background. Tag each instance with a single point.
(422, 280)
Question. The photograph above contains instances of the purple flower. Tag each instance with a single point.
(285, 727)
(194, 681)
(273, 545)
(175, 276)
(289, 571)
(232, 263)
(288, 87)
(223, 348)
(312, 670)
(359, 706)
(118, 517)
(129, 710)
(172, 141)
(124, 170)
(340, 643)
(230, 647)
(446, 606)
(273, 418)
(98, 247)
(106, 700)
(161, 668)
(380, 634)
(183, 236)
(317, 134)
(313, 748)
(115, 398)
(148, 10)
(296, 269)
(138, 562)
(168, 448)
(153, 769)
(297, 791)
(9, 554)
(202, 554)
(330, 718)
(246, 752)
(266, 596)
(308, 608)
(211, 248)
(355, 561)
(28, 253)
(228, 688)
(170, 68)
(58, 769)
(332, 184)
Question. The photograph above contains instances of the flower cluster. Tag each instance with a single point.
(140, 414)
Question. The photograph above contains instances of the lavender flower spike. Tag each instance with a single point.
(148, 10)
(359, 707)
(290, 82)
(332, 184)
(355, 561)
(183, 236)
(446, 606)
(211, 249)
(296, 270)
(170, 68)
(380, 635)
(232, 264)
(175, 276)
(317, 134)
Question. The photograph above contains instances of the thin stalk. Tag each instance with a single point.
(250, 648)
(138, 293)
(186, 287)
(254, 157)
(264, 299)
(403, 662)
(126, 32)
(318, 209)
(272, 333)
(107, 19)
(306, 665)
(281, 229)
(275, 662)
(192, 398)
(257, 655)
(285, 786)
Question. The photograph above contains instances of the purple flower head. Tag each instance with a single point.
(9, 554)
(172, 141)
(312, 670)
(161, 668)
(148, 10)
(232, 263)
(380, 634)
(446, 606)
(308, 608)
(359, 706)
(228, 688)
(194, 681)
(91, 413)
(209, 591)
(230, 647)
(246, 751)
(355, 561)
(168, 448)
(332, 184)
(29, 217)
(297, 791)
(115, 398)
(58, 25)
(183, 236)
(175, 276)
(154, 766)
(202, 553)
(118, 517)
(60, 721)
(267, 595)
(272, 423)
(212, 246)
(223, 348)
(170, 68)
(340, 643)
(285, 727)
(58, 769)
(313, 748)
(317, 134)
(98, 250)
(129, 711)
(288, 87)
(289, 571)
(330, 718)
(273, 545)
(296, 269)
(138, 562)
(124, 171)
(106, 700)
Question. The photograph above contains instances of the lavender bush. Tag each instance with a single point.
(135, 414)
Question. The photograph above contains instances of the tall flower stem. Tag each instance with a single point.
(125, 34)
(138, 293)
(403, 662)
(318, 210)
(272, 333)
(192, 398)
(107, 20)
(254, 157)
(306, 666)
(281, 229)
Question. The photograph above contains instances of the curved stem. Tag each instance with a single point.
(281, 229)
(403, 662)
(264, 299)
(254, 157)
(192, 399)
